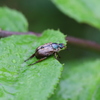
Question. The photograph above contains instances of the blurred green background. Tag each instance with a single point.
(43, 14)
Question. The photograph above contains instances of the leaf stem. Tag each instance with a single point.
(83, 43)
(71, 40)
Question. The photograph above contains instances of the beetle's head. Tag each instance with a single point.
(61, 46)
(58, 46)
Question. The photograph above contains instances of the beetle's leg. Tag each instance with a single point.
(38, 61)
(55, 55)
(30, 57)
(58, 55)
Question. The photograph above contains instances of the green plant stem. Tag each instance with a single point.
(71, 40)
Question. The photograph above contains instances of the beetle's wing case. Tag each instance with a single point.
(44, 50)
(45, 45)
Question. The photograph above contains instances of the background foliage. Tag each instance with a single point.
(79, 18)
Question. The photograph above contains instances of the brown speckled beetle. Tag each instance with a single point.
(46, 50)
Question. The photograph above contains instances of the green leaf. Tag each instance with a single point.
(86, 11)
(80, 81)
(21, 82)
(12, 20)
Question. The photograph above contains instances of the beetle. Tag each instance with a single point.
(46, 50)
